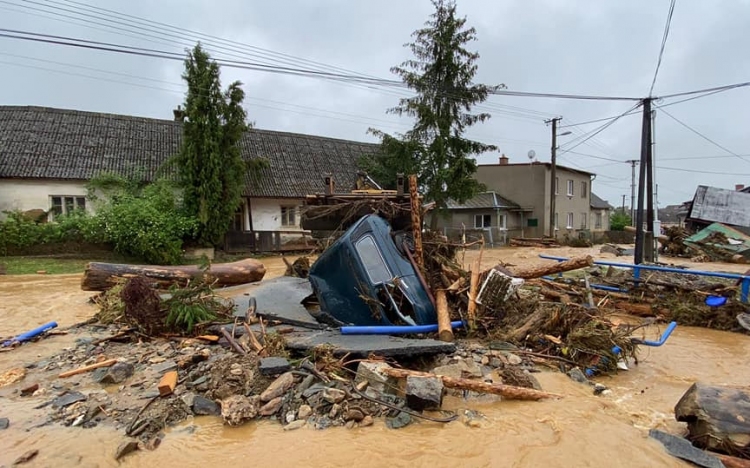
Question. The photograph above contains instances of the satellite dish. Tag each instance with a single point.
(532, 155)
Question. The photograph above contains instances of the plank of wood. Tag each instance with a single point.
(81, 370)
(507, 391)
(471, 310)
(209, 338)
(168, 383)
(416, 220)
(551, 269)
(445, 332)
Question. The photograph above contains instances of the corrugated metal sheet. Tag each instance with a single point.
(739, 243)
(721, 206)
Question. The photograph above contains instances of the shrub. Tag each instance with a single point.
(19, 231)
(149, 225)
(618, 220)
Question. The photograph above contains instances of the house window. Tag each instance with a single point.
(482, 221)
(501, 221)
(61, 204)
(583, 220)
(532, 222)
(570, 187)
(556, 218)
(598, 221)
(557, 185)
(289, 216)
(569, 224)
(584, 192)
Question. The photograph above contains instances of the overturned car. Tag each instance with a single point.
(368, 277)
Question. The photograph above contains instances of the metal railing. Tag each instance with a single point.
(745, 280)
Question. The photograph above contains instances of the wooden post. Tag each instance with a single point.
(471, 310)
(507, 391)
(445, 333)
(416, 220)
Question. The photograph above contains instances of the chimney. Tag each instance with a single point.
(503, 160)
(179, 114)
(739, 187)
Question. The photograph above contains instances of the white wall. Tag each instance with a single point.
(28, 194)
(266, 214)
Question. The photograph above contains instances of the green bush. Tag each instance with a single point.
(618, 220)
(19, 231)
(149, 225)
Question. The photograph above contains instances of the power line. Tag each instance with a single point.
(663, 45)
(706, 90)
(680, 169)
(602, 128)
(500, 92)
(704, 136)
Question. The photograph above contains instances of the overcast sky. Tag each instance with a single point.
(590, 47)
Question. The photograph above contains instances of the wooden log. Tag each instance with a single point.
(640, 310)
(551, 269)
(558, 296)
(507, 391)
(102, 276)
(232, 341)
(445, 332)
(167, 383)
(661, 238)
(718, 417)
(416, 220)
(81, 370)
(253, 340)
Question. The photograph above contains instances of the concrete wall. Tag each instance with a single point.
(462, 221)
(605, 220)
(32, 194)
(266, 214)
(529, 186)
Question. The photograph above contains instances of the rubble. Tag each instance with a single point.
(238, 409)
(423, 392)
(118, 373)
(273, 366)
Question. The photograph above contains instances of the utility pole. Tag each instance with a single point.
(644, 247)
(632, 162)
(623, 204)
(553, 160)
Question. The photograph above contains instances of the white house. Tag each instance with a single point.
(48, 155)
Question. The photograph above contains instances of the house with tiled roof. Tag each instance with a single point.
(600, 212)
(48, 155)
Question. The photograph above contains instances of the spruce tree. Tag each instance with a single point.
(441, 74)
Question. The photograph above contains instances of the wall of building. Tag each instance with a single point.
(605, 220)
(266, 214)
(34, 194)
(460, 221)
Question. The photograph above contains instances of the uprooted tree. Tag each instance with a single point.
(210, 165)
(441, 74)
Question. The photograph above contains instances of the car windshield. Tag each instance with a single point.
(374, 264)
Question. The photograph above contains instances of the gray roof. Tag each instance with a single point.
(486, 200)
(713, 204)
(45, 143)
(598, 203)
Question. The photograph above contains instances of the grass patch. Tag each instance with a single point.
(54, 265)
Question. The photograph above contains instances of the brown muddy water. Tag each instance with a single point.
(577, 431)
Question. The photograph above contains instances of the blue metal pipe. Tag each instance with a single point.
(745, 289)
(661, 341)
(30, 334)
(595, 286)
(393, 329)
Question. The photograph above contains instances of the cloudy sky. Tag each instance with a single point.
(590, 47)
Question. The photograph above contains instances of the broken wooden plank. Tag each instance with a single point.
(551, 269)
(81, 370)
(233, 342)
(507, 391)
(168, 383)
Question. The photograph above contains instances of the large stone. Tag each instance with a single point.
(273, 366)
(459, 370)
(272, 407)
(334, 395)
(4, 423)
(118, 373)
(401, 420)
(682, 448)
(204, 407)
(68, 399)
(125, 448)
(717, 417)
(372, 373)
(278, 387)
(304, 412)
(295, 425)
(238, 409)
(577, 374)
(424, 392)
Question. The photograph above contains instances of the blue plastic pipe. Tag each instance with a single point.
(31, 334)
(661, 341)
(393, 329)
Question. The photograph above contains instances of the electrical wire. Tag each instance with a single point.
(663, 45)
(705, 137)
(601, 128)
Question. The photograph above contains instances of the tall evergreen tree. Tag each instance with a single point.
(441, 74)
(210, 166)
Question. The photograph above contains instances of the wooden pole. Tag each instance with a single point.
(471, 310)
(507, 391)
(416, 220)
(445, 333)
(544, 270)
(81, 370)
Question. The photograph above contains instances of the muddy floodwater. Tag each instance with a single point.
(577, 431)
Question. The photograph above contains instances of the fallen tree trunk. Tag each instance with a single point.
(640, 310)
(102, 276)
(661, 238)
(507, 391)
(718, 418)
(560, 267)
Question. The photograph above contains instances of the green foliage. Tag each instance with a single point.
(193, 305)
(150, 225)
(210, 166)
(618, 220)
(18, 230)
(441, 74)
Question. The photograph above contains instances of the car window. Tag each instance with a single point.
(374, 264)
